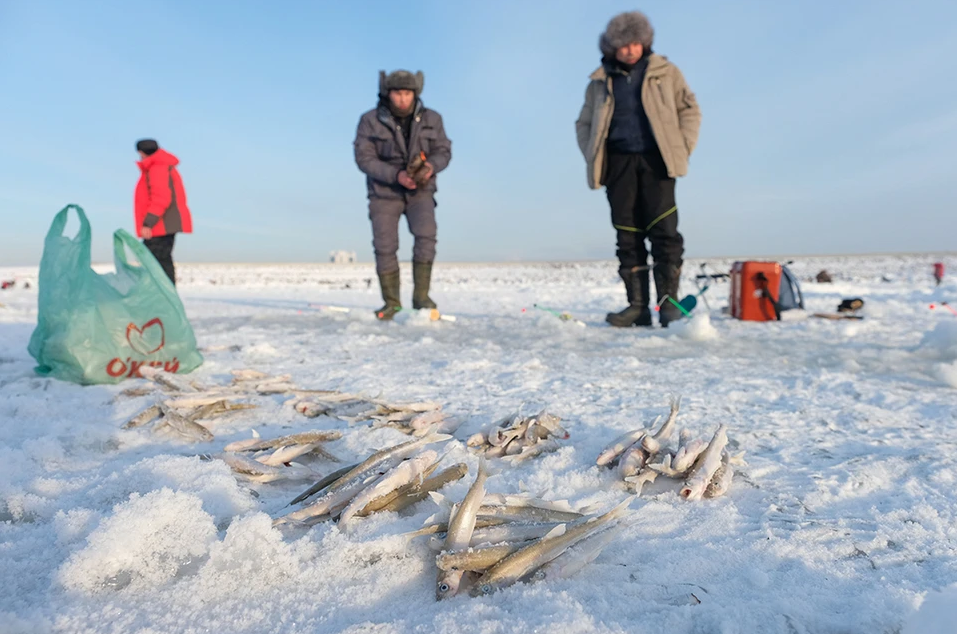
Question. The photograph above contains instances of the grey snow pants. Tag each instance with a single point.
(419, 210)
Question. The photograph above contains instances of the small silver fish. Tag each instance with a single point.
(477, 440)
(706, 466)
(301, 438)
(146, 416)
(633, 459)
(526, 514)
(721, 481)
(185, 427)
(345, 488)
(460, 532)
(537, 449)
(618, 446)
(282, 455)
(476, 559)
(312, 410)
(400, 475)
(687, 455)
(165, 379)
(571, 562)
(258, 472)
(521, 563)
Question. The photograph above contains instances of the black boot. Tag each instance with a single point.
(667, 277)
(637, 290)
(421, 279)
(390, 294)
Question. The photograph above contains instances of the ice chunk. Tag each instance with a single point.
(145, 543)
(695, 328)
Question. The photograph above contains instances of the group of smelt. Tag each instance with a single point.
(391, 479)
(641, 455)
(491, 541)
(518, 438)
(485, 542)
(202, 405)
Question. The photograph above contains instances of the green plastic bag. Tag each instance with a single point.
(103, 328)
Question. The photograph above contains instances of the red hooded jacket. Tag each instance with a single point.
(160, 201)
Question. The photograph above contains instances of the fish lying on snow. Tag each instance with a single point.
(706, 466)
(338, 494)
(518, 438)
(402, 474)
(416, 491)
(642, 455)
(508, 537)
(259, 472)
(185, 427)
(459, 533)
(301, 438)
(282, 451)
(528, 559)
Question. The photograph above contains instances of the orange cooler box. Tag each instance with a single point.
(751, 282)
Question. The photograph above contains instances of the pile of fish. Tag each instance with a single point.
(182, 405)
(389, 480)
(194, 402)
(270, 460)
(518, 438)
(490, 541)
(641, 455)
(182, 415)
(415, 419)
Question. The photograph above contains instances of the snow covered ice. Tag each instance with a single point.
(844, 520)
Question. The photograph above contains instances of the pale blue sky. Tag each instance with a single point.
(828, 126)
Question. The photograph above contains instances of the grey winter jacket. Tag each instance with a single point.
(381, 152)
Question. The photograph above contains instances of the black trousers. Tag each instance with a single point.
(642, 199)
(162, 250)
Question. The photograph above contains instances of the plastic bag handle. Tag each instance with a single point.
(83, 236)
(122, 240)
(59, 223)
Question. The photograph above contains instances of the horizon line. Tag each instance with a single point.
(782, 256)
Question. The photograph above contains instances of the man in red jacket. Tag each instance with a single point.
(160, 204)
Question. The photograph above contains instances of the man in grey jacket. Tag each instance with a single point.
(400, 146)
(636, 131)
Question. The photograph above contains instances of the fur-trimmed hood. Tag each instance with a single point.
(625, 28)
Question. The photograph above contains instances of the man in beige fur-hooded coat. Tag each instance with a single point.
(636, 131)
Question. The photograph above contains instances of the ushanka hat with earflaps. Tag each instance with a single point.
(625, 29)
(401, 80)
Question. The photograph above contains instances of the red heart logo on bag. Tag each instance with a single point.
(149, 339)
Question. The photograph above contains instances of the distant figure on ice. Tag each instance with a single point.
(637, 130)
(939, 272)
(400, 146)
(160, 209)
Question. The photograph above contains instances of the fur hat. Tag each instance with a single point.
(625, 28)
(147, 146)
(401, 80)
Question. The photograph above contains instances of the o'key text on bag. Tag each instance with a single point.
(146, 340)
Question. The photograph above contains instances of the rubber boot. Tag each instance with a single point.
(667, 278)
(421, 279)
(390, 294)
(637, 290)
